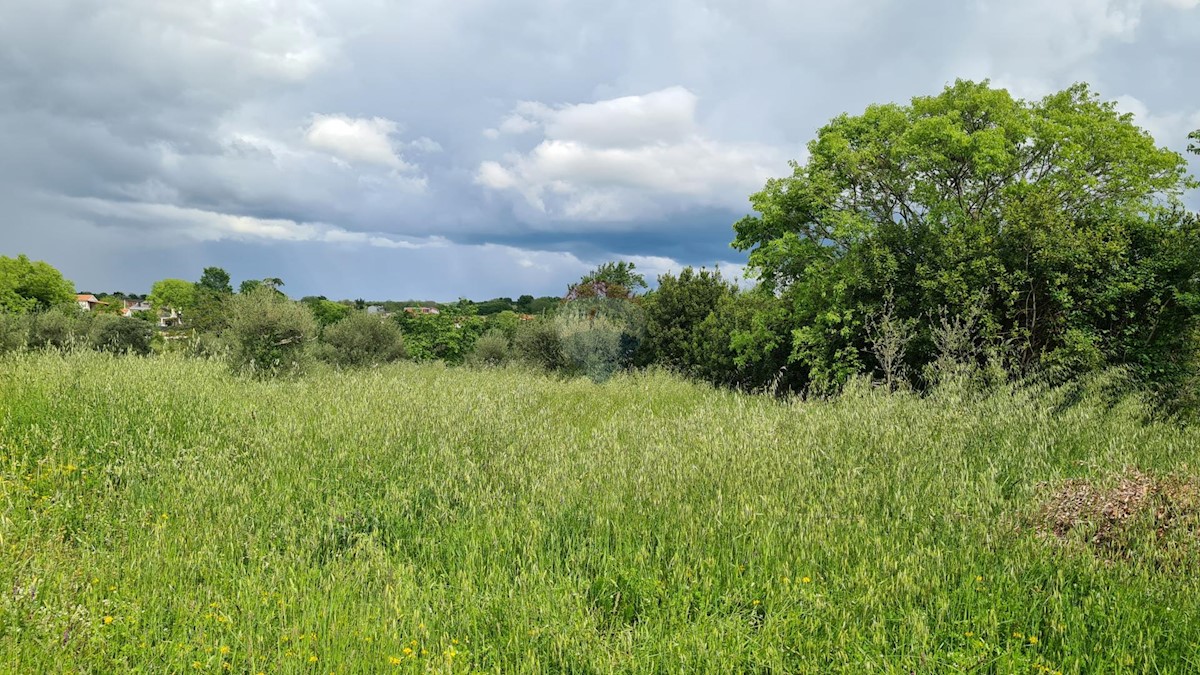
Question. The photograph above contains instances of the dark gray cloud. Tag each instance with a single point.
(480, 147)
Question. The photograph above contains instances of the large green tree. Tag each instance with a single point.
(175, 294)
(215, 280)
(1055, 225)
(674, 313)
(610, 280)
(31, 285)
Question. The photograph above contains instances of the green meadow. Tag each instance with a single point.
(159, 515)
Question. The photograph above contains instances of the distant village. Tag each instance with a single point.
(166, 317)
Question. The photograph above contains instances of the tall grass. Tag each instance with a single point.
(160, 515)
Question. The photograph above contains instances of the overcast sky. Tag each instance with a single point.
(481, 148)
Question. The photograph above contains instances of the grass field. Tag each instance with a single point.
(160, 515)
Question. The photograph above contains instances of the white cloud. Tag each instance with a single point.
(170, 221)
(426, 145)
(356, 140)
(1169, 129)
(625, 158)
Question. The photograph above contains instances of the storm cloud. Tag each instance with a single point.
(483, 148)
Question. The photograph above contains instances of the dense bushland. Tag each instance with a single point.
(963, 234)
(1053, 230)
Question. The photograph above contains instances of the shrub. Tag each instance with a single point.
(120, 335)
(54, 329)
(600, 335)
(448, 336)
(675, 312)
(12, 333)
(540, 344)
(593, 350)
(491, 349)
(362, 340)
(270, 333)
(211, 346)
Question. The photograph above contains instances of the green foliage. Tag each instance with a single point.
(146, 315)
(1194, 148)
(120, 335)
(362, 340)
(175, 294)
(13, 332)
(109, 304)
(215, 280)
(326, 311)
(211, 346)
(58, 328)
(210, 313)
(1058, 220)
(539, 343)
(28, 286)
(448, 336)
(507, 322)
(494, 306)
(249, 286)
(609, 280)
(600, 336)
(491, 349)
(675, 312)
(745, 343)
(544, 305)
(270, 334)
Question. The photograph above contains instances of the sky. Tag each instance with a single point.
(425, 149)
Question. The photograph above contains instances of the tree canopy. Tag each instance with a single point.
(215, 280)
(609, 280)
(674, 314)
(174, 294)
(1057, 224)
(28, 285)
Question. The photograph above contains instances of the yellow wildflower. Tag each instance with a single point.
(806, 580)
(1033, 639)
(108, 620)
(224, 649)
(312, 659)
(394, 661)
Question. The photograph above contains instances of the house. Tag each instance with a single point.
(378, 310)
(87, 301)
(166, 318)
(169, 317)
(131, 306)
(422, 310)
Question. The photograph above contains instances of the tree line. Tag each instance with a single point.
(966, 232)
